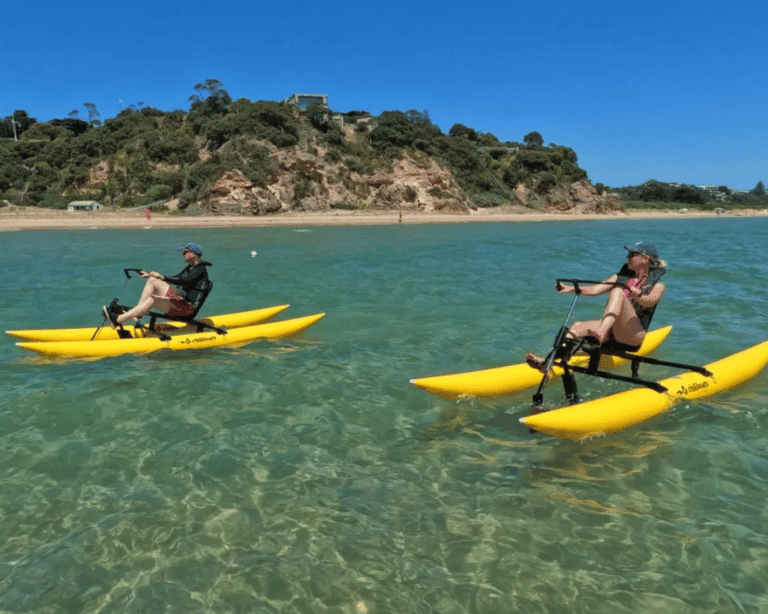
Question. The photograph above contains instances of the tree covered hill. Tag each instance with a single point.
(704, 197)
(266, 156)
(145, 155)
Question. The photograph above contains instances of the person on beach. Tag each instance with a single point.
(634, 293)
(158, 293)
(148, 213)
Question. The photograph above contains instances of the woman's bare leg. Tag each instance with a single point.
(537, 362)
(619, 318)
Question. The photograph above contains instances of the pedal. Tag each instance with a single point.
(115, 308)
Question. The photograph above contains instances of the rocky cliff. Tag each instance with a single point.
(309, 182)
(577, 197)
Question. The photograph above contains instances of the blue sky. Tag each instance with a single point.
(673, 91)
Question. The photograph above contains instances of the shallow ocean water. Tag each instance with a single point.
(308, 475)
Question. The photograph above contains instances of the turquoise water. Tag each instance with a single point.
(308, 475)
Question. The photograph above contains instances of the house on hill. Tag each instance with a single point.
(84, 205)
(304, 100)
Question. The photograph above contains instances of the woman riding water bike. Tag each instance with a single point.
(634, 293)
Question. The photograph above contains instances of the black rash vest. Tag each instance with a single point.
(188, 281)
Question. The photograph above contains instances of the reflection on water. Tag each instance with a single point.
(308, 475)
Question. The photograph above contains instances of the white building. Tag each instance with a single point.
(84, 205)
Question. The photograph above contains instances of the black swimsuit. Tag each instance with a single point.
(645, 314)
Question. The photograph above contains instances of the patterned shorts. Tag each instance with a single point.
(179, 307)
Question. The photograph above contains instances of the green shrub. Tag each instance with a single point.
(203, 173)
(46, 132)
(302, 189)
(55, 201)
(175, 149)
(157, 192)
(653, 205)
(12, 195)
(536, 161)
(487, 200)
(305, 172)
(171, 178)
(127, 201)
(545, 182)
(344, 205)
(355, 165)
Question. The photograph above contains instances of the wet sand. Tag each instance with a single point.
(30, 218)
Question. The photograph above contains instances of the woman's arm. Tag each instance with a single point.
(593, 290)
(650, 299)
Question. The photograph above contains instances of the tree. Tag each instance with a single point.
(533, 139)
(210, 97)
(487, 139)
(8, 128)
(45, 132)
(15, 124)
(460, 130)
(93, 114)
(759, 189)
(316, 113)
(73, 124)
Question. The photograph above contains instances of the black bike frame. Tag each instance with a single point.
(557, 357)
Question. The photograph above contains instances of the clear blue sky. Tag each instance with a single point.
(674, 90)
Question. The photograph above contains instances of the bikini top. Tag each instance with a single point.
(645, 314)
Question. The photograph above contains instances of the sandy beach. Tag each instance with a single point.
(30, 218)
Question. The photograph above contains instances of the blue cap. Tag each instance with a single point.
(192, 247)
(641, 247)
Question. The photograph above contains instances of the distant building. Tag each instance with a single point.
(304, 100)
(84, 205)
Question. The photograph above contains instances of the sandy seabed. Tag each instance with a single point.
(30, 218)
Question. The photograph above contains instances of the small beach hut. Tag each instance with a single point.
(84, 205)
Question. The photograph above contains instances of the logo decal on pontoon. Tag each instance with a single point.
(197, 340)
(693, 388)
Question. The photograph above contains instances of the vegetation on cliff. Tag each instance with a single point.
(145, 155)
(659, 195)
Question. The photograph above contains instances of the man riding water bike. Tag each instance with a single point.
(159, 294)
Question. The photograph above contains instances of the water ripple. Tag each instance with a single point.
(308, 475)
